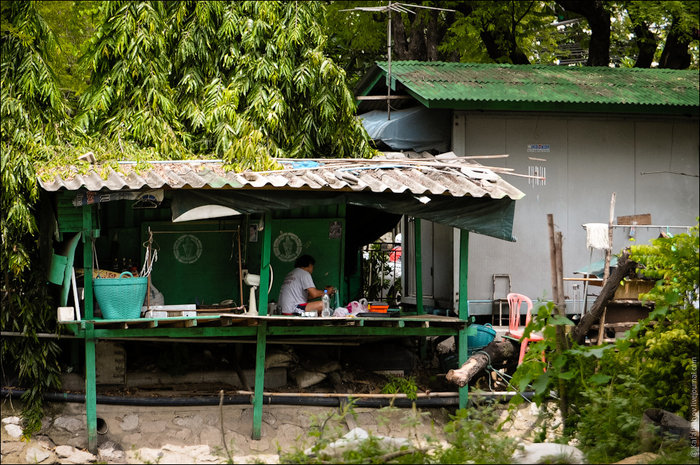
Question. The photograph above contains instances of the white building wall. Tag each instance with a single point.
(588, 158)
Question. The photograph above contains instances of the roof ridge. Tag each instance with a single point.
(534, 66)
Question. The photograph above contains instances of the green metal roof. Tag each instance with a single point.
(543, 87)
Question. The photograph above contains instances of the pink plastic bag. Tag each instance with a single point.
(356, 307)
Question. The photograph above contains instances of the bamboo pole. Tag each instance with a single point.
(387, 160)
(419, 395)
(556, 263)
(552, 256)
(606, 269)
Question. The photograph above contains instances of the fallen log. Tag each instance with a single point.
(498, 352)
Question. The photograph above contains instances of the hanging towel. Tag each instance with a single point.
(597, 235)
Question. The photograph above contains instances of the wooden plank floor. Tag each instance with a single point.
(233, 319)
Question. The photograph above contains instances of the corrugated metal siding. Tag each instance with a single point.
(392, 172)
(551, 84)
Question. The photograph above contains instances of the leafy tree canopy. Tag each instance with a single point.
(33, 117)
(175, 79)
(598, 33)
(241, 81)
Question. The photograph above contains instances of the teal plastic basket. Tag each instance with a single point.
(485, 334)
(120, 298)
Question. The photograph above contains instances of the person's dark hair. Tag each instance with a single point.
(304, 261)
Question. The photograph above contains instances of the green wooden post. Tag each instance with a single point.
(462, 345)
(265, 265)
(419, 265)
(90, 387)
(90, 376)
(259, 379)
(88, 236)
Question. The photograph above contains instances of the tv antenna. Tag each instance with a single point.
(399, 8)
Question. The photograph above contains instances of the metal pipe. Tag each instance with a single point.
(166, 339)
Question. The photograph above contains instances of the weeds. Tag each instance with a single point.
(399, 385)
(472, 436)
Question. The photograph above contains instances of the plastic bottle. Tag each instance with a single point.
(326, 304)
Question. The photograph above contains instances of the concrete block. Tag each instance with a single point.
(110, 363)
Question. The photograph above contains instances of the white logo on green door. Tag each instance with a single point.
(187, 249)
(287, 247)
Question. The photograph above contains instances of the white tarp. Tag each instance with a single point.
(416, 128)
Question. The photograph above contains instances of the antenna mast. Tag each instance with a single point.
(388, 60)
(400, 8)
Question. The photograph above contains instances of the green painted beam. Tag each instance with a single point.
(419, 266)
(358, 331)
(249, 331)
(259, 379)
(265, 265)
(463, 308)
(558, 107)
(174, 333)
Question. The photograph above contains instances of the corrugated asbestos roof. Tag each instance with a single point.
(473, 82)
(393, 172)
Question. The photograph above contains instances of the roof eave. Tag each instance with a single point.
(559, 107)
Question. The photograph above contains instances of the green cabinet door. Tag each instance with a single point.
(197, 262)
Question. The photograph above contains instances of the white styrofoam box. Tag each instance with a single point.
(170, 313)
(66, 314)
(170, 307)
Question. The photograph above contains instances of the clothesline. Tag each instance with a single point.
(649, 226)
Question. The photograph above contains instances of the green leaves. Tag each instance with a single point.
(242, 81)
(600, 378)
(610, 386)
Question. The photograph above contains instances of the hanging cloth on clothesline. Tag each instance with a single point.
(597, 236)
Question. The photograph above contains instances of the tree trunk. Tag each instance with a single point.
(433, 35)
(420, 40)
(645, 39)
(497, 46)
(399, 42)
(416, 41)
(599, 21)
(624, 266)
(675, 54)
(498, 352)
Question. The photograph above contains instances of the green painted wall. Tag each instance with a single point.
(318, 237)
(197, 261)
